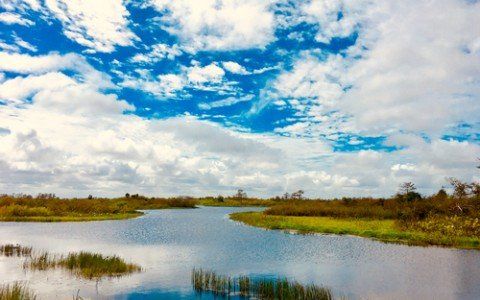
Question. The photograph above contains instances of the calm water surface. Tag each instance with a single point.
(169, 243)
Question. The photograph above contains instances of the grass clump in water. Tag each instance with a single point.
(83, 264)
(16, 291)
(247, 287)
(15, 250)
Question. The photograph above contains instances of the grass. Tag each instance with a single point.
(16, 291)
(15, 250)
(71, 218)
(385, 230)
(83, 264)
(25, 208)
(256, 288)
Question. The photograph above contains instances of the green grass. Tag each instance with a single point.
(72, 217)
(256, 288)
(383, 230)
(83, 264)
(16, 291)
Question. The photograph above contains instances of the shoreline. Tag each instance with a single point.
(378, 230)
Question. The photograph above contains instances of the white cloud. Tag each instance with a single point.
(48, 88)
(225, 102)
(218, 25)
(414, 68)
(234, 68)
(10, 18)
(210, 73)
(98, 25)
(325, 13)
(157, 53)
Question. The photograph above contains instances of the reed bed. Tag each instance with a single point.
(16, 291)
(83, 264)
(15, 250)
(253, 288)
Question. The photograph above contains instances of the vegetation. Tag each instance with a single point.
(15, 250)
(382, 230)
(48, 208)
(256, 288)
(407, 217)
(16, 291)
(83, 264)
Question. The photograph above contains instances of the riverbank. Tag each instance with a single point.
(383, 230)
(51, 209)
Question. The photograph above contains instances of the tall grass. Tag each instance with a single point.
(247, 287)
(16, 291)
(15, 250)
(83, 264)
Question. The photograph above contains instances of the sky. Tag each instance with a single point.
(203, 97)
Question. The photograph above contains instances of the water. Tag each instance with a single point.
(169, 243)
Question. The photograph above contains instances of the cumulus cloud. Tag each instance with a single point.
(410, 57)
(235, 68)
(218, 25)
(98, 25)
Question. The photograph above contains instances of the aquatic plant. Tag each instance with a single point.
(83, 264)
(16, 291)
(15, 250)
(256, 288)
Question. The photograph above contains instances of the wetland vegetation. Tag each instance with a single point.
(82, 264)
(16, 291)
(205, 281)
(49, 208)
(407, 217)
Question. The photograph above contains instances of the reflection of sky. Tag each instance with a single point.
(169, 243)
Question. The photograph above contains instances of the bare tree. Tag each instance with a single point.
(460, 188)
(407, 188)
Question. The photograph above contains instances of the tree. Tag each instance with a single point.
(407, 188)
(297, 195)
(241, 194)
(460, 188)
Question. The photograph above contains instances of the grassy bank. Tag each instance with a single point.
(385, 230)
(25, 208)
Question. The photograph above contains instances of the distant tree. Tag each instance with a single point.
(407, 187)
(127, 195)
(286, 196)
(442, 194)
(241, 194)
(297, 195)
(90, 197)
(220, 198)
(460, 188)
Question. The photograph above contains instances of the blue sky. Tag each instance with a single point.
(203, 97)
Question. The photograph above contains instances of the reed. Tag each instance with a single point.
(264, 288)
(16, 291)
(15, 250)
(83, 264)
